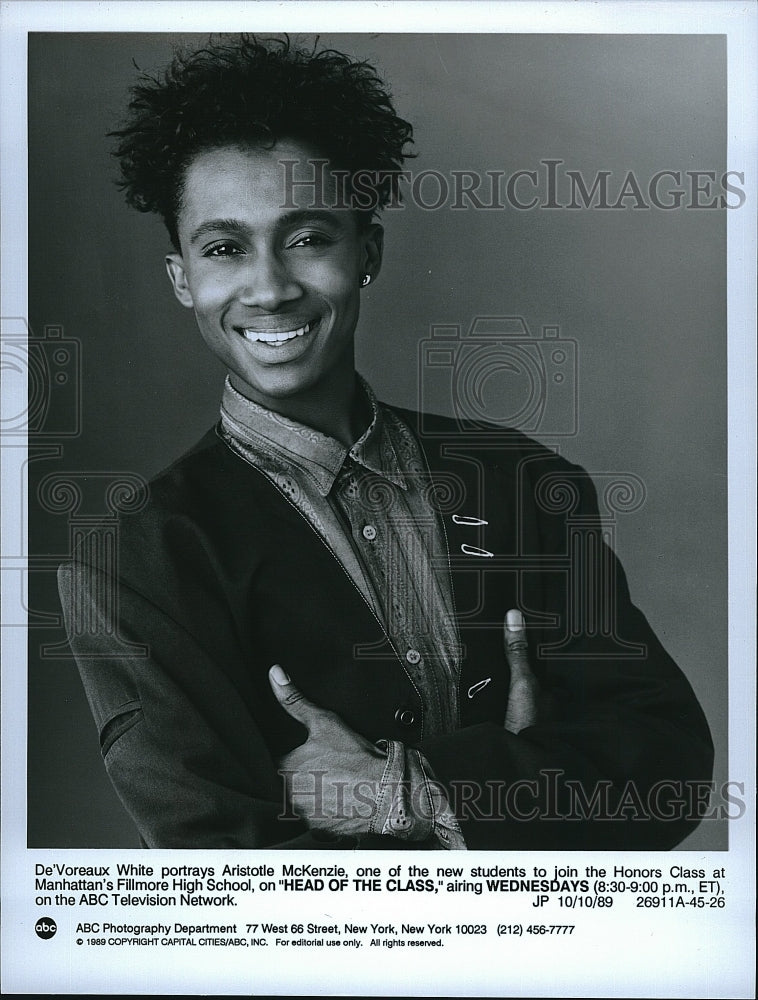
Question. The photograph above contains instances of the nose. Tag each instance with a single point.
(266, 282)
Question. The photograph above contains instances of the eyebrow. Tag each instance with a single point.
(214, 225)
(238, 228)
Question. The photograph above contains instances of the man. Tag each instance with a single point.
(321, 585)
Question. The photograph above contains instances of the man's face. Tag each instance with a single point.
(275, 290)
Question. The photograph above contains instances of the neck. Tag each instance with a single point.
(336, 406)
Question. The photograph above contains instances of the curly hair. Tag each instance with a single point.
(253, 92)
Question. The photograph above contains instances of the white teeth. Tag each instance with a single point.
(274, 338)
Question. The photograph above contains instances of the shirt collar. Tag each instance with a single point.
(294, 444)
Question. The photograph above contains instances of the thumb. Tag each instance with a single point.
(515, 643)
(292, 699)
(523, 692)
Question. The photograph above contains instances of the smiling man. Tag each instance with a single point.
(276, 291)
(328, 661)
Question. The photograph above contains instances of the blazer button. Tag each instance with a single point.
(369, 532)
(413, 656)
(405, 717)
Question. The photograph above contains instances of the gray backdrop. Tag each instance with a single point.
(642, 292)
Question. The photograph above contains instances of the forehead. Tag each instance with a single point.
(258, 185)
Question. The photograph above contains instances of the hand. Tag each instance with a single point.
(333, 778)
(524, 690)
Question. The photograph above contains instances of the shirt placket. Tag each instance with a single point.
(372, 507)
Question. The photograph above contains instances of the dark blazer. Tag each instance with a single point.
(220, 576)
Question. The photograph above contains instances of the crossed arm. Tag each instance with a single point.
(189, 761)
(352, 769)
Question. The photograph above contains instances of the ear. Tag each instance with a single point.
(373, 246)
(178, 277)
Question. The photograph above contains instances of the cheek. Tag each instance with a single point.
(208, 293)
(342, 291)
(337, 280)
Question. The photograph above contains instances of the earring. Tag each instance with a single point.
(365, 280)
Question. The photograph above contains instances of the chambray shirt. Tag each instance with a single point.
(370, 505)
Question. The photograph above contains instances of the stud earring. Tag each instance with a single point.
(365, 280)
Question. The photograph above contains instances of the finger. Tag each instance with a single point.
(522, 694)
(515, 642)
(292, 699)
(522, 707)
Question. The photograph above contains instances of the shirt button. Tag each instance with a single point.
(413, 656)
(369, 532)
(405, 717)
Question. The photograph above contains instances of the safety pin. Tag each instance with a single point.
(463, 519)
(474, 550)
(476, 688)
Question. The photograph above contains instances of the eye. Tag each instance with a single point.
(225, 249)
(310, 240)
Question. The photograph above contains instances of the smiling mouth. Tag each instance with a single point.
(274, 337)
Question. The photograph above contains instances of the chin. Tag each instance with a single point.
(278, 389)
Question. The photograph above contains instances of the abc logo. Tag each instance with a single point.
(45, 928)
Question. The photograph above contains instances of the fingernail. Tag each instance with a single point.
(514, 620)
(279, 675)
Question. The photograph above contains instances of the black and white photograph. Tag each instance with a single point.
(378, 461)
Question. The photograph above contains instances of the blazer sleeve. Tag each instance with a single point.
(185, 755)
(621, 757)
